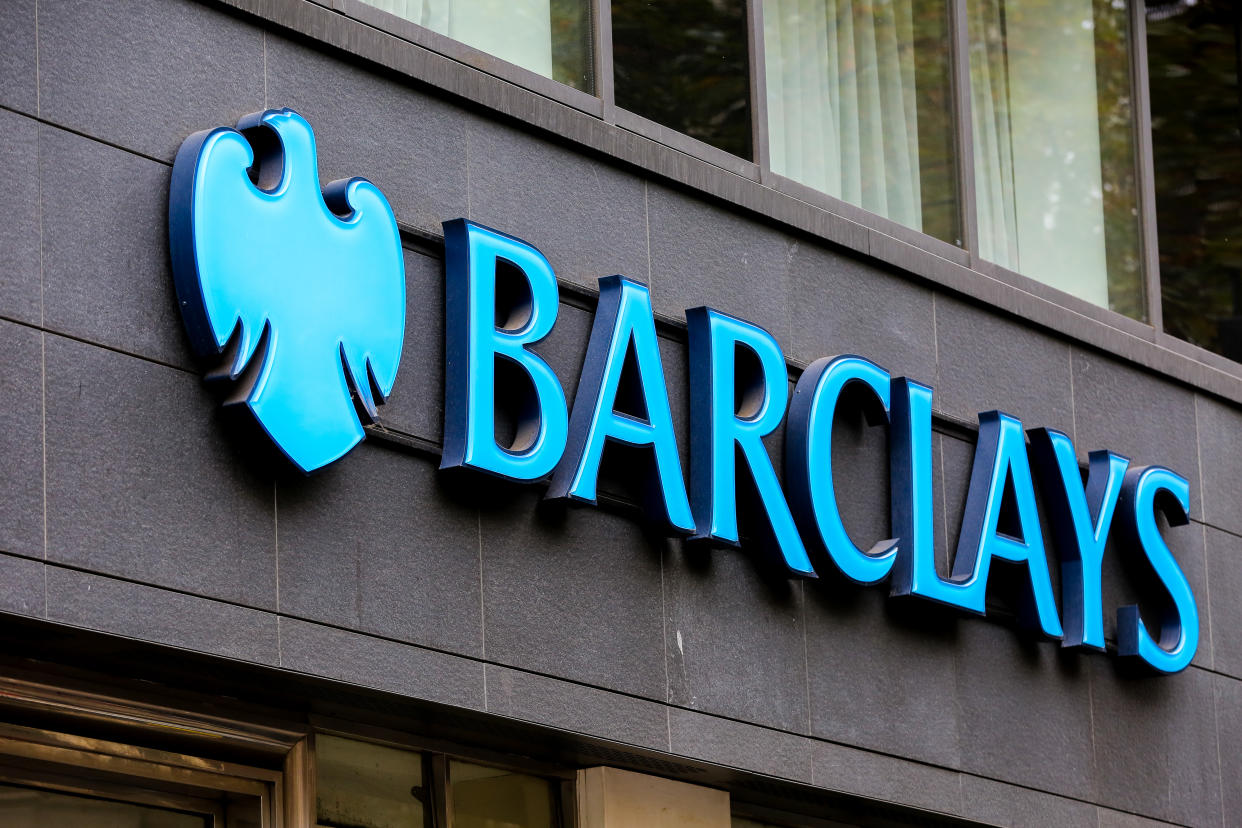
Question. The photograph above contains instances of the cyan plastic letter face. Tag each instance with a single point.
(623, 316)
(720, 431)
(1147, 489)
(910, 475)
(474, 343)
(1000, 457)
(1081, 517)
(315, 277)
(808, 462)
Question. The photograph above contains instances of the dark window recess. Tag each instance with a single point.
(683, 64)
(572, 49)
(1193, 63)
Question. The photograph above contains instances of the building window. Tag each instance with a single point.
(366, 785)
(685, 64)
(1196, 127)
(860, 105)
(1054, 146)
(870, 102)
(549, 37)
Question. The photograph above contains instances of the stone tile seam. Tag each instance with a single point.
(442, 651)
(81, 340)
(1221, 529)
(795, 366)
(943, 423)
(485, 663)
(664, 320)
(1220, 768)
(335, 40)
(88, 136)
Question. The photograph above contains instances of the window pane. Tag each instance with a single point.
(1193, 53)
(493, 798)
(361, 785)
(551, 37)
(1054, 145)
(860, 105)
(683, 63)
(22, 807)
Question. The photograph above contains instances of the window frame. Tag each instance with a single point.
(50, 739)
(437, 756)
(595, 124)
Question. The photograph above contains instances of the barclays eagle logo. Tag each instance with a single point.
(299, 292)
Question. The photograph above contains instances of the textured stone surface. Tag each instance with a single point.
(145, 480)
(21, 440)
(704, 255)
(986, 361)
(587, 218)
(106, 276)
(411, 145)
(22, 588)
(1220, 451)
(576, 707)
(734, 637)
(1229, 734)
(881, 674)
(145, 74)
(876, 776)
(1220, 612)
(18, 56)
(1137, 414)
(1024, 711)
(160, 616)
(21, 295)
(844, 306)
(996, 803)
(382, 665)
(375, 544)
(1156, 749)
(740, 745)
(573, 594)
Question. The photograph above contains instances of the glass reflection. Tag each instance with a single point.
(551, 37)
(860, 107)
(1193, 58)
(684, 64)
(1052, 120)
(22, 807)
(493, 798)
(363, 785)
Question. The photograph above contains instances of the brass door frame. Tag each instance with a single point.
(52, 755)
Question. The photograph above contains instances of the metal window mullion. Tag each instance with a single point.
(758, 87)
(441, 790)
(601, 18)
(959, 51)
(1140, 92)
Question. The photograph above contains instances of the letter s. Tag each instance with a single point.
(1145, 490)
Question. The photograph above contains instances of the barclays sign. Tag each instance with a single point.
(312, 334)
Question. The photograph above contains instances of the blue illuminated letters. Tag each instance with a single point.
(1146, 490)
(473, 343)
(294, 292)
(808, 461)
(910, 476)
(726, 425)
(622, 319)
(1081, 517)
(300, 292)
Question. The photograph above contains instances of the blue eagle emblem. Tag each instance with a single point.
(298, 291)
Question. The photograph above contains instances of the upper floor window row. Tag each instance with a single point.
(1012, 128)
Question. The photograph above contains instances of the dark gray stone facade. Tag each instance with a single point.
(129, 506)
